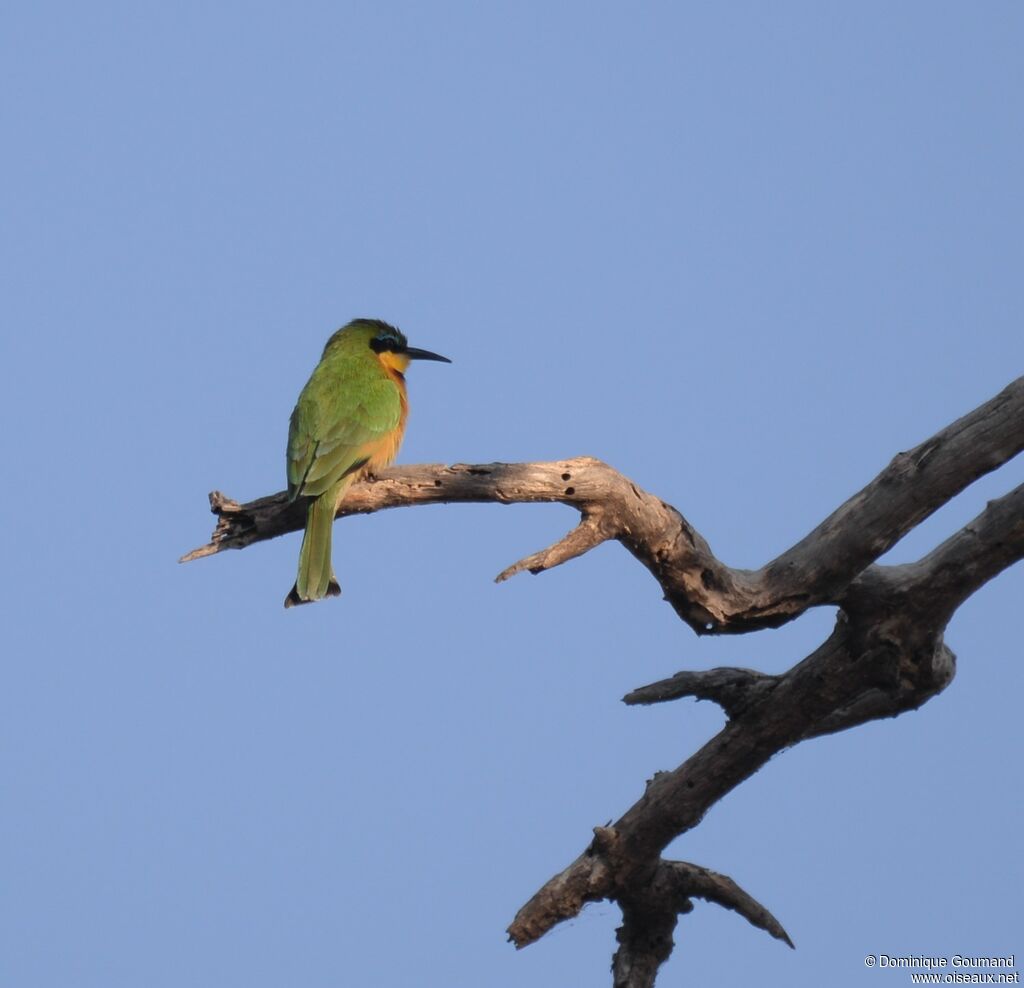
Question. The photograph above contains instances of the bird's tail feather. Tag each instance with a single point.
(316, 579)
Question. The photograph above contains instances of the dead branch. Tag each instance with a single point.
(732, 689)
(885, 655)
(708, 595)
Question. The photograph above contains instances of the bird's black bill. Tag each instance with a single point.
(414, 353)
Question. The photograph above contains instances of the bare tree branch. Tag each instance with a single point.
(694, 881)
(584, 537)
(964, 563)
(731, 689)
(913, 486)
(708, 595)
(886, 654)
(645, 939)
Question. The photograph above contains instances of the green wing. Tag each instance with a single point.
(343, 413)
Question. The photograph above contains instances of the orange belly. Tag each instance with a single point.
(386, 448)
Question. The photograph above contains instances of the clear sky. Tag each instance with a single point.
(744, 252)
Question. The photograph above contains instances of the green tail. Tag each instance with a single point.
(316, 575)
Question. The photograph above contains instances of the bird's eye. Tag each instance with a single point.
(381, 343)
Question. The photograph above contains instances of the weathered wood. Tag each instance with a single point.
(711, 597)
(732, 689)
(885, 655)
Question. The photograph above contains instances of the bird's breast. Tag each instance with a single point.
(389, 443)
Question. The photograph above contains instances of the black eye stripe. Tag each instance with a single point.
(381, 343)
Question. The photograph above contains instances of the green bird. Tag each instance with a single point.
(348, 422)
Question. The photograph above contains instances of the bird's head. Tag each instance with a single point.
(388, 343)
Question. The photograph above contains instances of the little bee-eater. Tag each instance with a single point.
(348, 422)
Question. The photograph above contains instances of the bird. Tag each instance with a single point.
(348, 423)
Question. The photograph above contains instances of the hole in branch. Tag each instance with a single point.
(570, 491)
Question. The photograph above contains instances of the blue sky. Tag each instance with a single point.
(743, 252)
